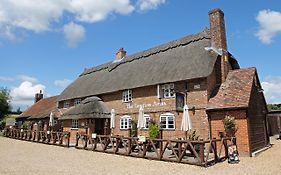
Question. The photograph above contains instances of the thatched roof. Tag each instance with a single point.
(91, 107)
(182, 59)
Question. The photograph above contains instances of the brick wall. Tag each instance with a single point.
(242, 128)
(197, 99)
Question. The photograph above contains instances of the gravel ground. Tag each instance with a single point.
(21, 157)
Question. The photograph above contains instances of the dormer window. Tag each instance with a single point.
(127, 96)
(77, 101)
(166, 90)
(66, 104)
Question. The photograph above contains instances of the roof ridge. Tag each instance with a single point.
(152, 51)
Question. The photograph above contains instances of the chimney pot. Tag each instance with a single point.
(121, 53)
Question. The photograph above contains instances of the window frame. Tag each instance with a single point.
(168, 90)
(66, 104)
(125, 119)
(147, 121)
(74, 124)
(127, 96)
(77, 101)
(166, 116)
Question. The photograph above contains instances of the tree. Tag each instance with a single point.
(4, 102)
(272, 107)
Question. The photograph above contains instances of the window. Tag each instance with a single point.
(74, 124)
(166, 91)
(66, 104)
(147, 121)
(167, 121)
(77, 101)
(125, 122)
(127, 96)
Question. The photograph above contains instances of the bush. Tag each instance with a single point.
(229, 125)
(154, 130)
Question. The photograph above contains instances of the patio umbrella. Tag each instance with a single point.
(186, 122)
(52, 120)
(141, 122)
(112, 119)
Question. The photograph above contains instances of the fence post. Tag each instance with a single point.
(215, 149)
(201, 152)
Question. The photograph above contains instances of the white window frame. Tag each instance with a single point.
(125, 122)
(168, 90)
(164, 118)
(66, 104)
(77, 101)
(147, 121)
(74, 124)
(127, 96)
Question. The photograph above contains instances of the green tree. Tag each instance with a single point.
(4, 102)
(272, 107)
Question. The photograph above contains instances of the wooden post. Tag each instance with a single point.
(161, 137)
(215, 150)
(68, 139)
(201, 152)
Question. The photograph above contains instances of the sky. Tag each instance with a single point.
(45, 45)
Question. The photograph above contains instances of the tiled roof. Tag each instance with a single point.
(42, 109)
(235, 91)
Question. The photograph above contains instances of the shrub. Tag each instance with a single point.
(154, 130)
(229, 125)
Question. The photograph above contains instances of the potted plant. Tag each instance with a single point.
(229, 126)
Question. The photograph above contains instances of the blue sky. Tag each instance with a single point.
(47, 44)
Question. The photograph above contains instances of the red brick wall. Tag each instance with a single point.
(154, 106)
(242, 128)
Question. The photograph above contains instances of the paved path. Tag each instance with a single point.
(21, 157)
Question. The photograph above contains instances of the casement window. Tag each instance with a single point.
(74, 124)
(77, 101)
(147, 121)
(127, 96)
(166, 90)
(66, 104)
(167, 121)
(125, 122)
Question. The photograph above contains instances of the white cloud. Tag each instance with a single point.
(270, 25)
(97, 10)
(26, 78)
(62, 83)
(73, 34)
(48, 15)
(144, 5)
(18, 77)
(23, 95)
(272, 89)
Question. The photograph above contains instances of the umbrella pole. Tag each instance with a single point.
(185, 135)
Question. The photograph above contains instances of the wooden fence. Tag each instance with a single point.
(202, 153)
(47, 137)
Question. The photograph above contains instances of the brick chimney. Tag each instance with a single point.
(38, 96)
(218, 39)
(121, 53)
